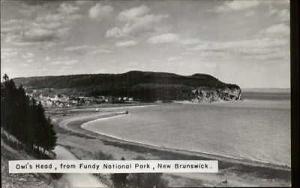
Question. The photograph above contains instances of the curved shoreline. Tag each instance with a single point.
(207, 156)
(237, 173)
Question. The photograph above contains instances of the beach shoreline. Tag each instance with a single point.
(278, 175)
(189, 152)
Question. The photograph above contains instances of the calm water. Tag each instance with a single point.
(252, 129)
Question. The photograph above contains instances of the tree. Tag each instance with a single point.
(22, 117)
(5, 77)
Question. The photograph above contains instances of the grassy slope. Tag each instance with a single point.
(20, 180)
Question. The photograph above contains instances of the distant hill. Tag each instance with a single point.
(146, 86)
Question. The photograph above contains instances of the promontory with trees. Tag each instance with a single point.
(141, 86)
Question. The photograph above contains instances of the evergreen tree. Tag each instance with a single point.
(24, 118)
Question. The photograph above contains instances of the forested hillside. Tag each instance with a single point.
(145, 86)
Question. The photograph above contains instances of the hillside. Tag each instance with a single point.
(145, 86)
(19, 180)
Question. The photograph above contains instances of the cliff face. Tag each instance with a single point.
(208, 95)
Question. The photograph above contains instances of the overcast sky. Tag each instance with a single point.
(241, 41)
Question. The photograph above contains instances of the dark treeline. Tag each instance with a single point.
(25, 119)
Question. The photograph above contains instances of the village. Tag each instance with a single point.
(63, 100)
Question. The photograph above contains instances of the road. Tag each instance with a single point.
(75, 180)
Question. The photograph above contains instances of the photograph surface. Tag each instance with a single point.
(147, 80)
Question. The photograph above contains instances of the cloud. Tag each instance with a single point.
(133, 13)
(258, 48)
(281, 2)
(47, 58)
(236, 5)
(67, 8)
(250, 13)
(28, 55)
(28, 33)
(256, 45)
(27, 10)
(39, 35)
(65, 62)
(35, 2)
(100, 51)
(7, 53)
(47, 27)
(86, 49)
(11, 26)
(81, 2)
(277, 30)
(126, 43)
(164, 38)
(269, 43)
(174, 58)
(115, 32)
(78, 48)
(135, 21)
(282, 15)
(60, 17)
(190, 41)
(100, 11)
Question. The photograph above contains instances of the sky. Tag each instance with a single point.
(246, 42)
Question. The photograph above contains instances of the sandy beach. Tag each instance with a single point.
(84, 144)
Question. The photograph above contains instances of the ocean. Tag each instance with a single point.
(256, 128)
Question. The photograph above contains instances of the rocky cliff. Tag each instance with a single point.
(208, 95)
